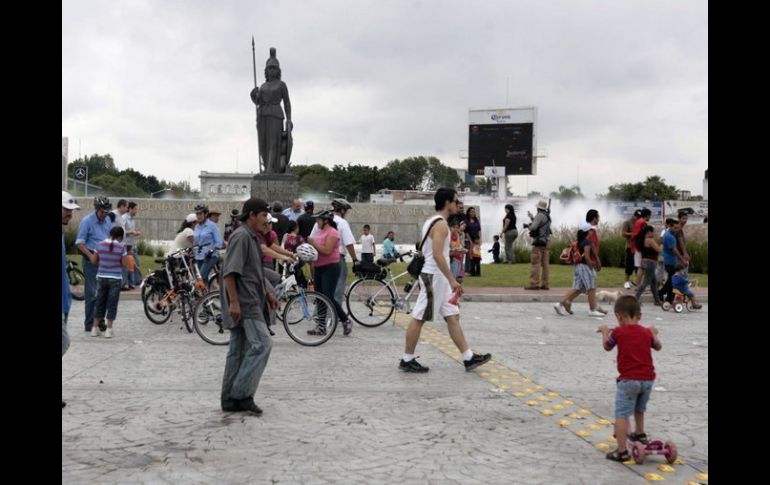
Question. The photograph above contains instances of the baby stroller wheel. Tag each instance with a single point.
(678, 308)
(666, 306)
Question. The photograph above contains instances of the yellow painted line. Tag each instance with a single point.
(495, 372)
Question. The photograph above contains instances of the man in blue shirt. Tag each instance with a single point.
(93, 229)
(207, 235)
(294, 211)
(67, 205)
(671, 256)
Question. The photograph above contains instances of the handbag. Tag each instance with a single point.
(418, 261)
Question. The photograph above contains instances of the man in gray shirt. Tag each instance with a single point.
(247, 304)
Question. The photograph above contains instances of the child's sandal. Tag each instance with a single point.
(618, 456)
(640, 437)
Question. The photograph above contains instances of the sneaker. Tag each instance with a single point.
(560, 309)
(347, 327)
(477, 360)
(531, 287)
(412, 366)
(601, 310)
(627, 285)
(270, 329)
(697, 306)
(108, 333)
(95, 331)
(230, 405)
(317, 331)
(545, 288)
(249, 405)
(595, 313)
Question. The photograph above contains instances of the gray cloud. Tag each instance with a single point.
(621, 87)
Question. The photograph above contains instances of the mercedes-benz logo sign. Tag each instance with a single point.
(80, 173)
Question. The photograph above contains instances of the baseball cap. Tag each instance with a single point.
(309, 204)
(67, 201)
(253, 205)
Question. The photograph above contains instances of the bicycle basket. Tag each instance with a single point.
(365, 269)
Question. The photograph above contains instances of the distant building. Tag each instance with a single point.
(387, 196)
(224, 186)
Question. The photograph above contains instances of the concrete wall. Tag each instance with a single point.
(159, 219)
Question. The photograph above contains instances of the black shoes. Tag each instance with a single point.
(476, 361)
(230, 405)
(249, 405)
(412, 366)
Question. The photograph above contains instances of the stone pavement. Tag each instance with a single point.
(143, 407)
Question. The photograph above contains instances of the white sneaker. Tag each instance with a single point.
(595, 313)
(627, 285)
(560, 309)
(108, 333)
(95, 331)
(601, 310)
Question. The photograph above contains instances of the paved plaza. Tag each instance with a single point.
(143, 407)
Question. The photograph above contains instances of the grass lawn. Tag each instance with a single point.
(507, 275)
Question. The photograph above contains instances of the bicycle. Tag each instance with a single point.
(179, 288)
(309, 317)
(77, 281)
(371, 300)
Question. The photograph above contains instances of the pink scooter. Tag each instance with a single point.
(640, 450)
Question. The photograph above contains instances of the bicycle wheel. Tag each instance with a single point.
(279, 311)
(156, 308)
(314, 317)
(186, 310)
(207, 320)
(77, 284)
(370, 302)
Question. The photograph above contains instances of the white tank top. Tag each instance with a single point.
(430, 266)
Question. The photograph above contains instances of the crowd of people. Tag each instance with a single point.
(262, 234)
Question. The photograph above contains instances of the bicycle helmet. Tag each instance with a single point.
(202, 208)
(306, 252)
(341, 204)
(103, 203)
(325, 214)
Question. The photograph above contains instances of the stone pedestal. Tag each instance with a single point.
(283, 187)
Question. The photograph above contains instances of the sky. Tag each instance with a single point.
(621, 88)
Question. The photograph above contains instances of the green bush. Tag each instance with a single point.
(699, 256)
(612, 250)
(144, 249)
(160, 252)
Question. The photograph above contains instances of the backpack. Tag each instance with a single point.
(571, 254)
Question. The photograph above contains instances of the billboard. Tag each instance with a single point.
(502, 138)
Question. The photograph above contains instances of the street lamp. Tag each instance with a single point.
(337, 193)
(152, 195)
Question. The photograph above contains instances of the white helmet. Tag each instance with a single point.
(306, 252)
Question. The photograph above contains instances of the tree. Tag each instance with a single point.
(653, 188)
(97, 165)
(566, 194)
(439, 175)
(118, 185)
(312, 178)
(406, 174)
(355, 181)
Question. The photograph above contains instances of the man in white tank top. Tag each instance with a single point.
(437, 288)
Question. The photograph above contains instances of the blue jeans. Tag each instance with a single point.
(89, 271)
(632, 396)
(107, 297)
(65, 337)
(339, 291)
(250, 346)
(205, 265)
(326, 281)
